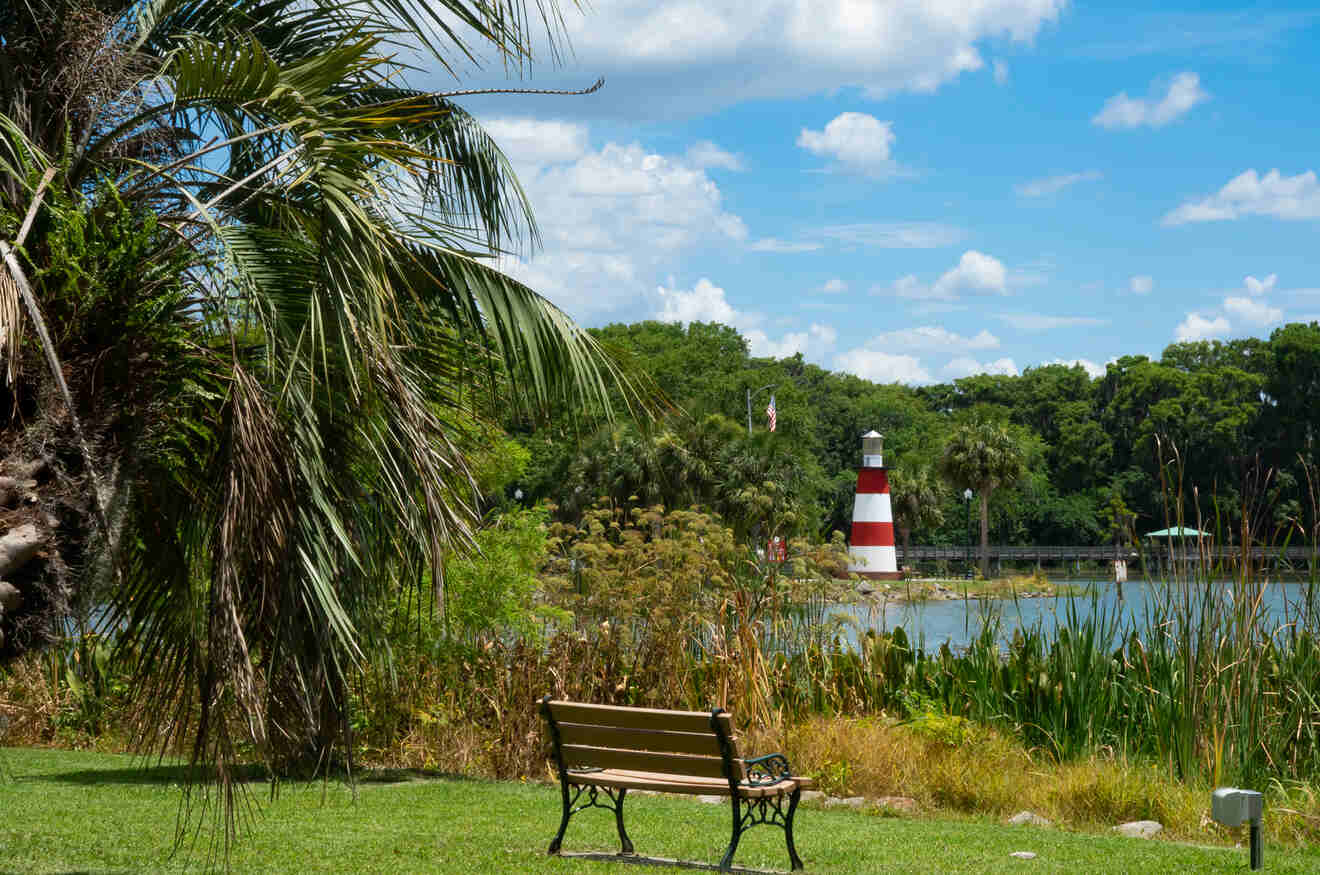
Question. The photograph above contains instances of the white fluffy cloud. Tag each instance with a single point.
(704, 302)
(532, 143)
(824, 333)
(706, 154)
(774, 244)
(906, 286)
(1093, 370)
(1253, 311)
(1198, 327)
(613, 219)
(1121, 111)
(813, 343)
(1249, 194)
(865, 235)
(855, 140)
(894, 235)
(931, 337)
(707, 302)
(1038, 323)
(892, 356)
(1257, 287)
(682, 56)
(975, 273)
(882, 367)
(966, 367)
(1049, 185)
(1141, 284)
(1250, 310)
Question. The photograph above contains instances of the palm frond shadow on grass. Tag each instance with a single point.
(175, 775)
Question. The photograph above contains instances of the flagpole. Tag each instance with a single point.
(750, 396)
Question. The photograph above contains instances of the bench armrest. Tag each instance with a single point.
(769, 769)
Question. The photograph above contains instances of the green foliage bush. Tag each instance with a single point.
(643, 607)
(490, 593)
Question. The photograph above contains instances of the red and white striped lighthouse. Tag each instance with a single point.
(871, 548)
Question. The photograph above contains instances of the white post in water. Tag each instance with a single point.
(871, 548)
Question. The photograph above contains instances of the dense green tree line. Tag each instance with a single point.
(1217, 431)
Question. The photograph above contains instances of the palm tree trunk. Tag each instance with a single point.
(985, 532)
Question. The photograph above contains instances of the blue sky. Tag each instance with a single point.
(917, 191)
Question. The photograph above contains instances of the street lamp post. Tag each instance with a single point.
(750, 396)
(967, 501)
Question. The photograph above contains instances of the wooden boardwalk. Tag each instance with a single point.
(1107, 553)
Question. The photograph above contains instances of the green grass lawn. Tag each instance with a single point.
(65, 811)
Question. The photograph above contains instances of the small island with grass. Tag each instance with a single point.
(918, 589)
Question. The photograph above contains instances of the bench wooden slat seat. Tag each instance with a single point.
(615, 749)
(688, 785)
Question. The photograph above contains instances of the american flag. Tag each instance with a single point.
(770, 412)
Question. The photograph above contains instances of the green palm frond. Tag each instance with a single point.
(318, 347)
(545, 352)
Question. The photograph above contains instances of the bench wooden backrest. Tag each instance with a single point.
(644, 739)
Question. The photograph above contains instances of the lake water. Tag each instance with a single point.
(956, 622)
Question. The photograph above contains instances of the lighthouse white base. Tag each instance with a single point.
(876, 563)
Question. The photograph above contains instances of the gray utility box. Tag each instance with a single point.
(1233, 807)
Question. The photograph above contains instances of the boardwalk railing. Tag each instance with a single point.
(1106, 553)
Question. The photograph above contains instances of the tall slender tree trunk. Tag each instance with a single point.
(985, 532)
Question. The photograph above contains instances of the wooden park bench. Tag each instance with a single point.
(607, 750)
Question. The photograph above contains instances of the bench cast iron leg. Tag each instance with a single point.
(624, 841)
(793, 857)
(727, 862)
(563, 823)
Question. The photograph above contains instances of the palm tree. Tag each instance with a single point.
(755, 484)
(917, 495)
(249, 321)
(982, 456)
